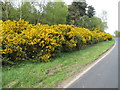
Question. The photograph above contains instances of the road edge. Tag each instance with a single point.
(92, 65)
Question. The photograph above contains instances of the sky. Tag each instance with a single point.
(111, 6)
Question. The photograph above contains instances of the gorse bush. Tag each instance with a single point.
(21, 40)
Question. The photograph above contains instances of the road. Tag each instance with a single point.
(102, 75)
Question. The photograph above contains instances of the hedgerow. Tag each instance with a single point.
(21, 40)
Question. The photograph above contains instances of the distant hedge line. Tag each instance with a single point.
(21, 40)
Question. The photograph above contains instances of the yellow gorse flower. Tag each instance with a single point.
(43, 41)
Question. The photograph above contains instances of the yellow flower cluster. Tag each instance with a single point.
(20, 39)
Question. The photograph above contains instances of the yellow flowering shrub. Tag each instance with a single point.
(102, 35)
(21, 40)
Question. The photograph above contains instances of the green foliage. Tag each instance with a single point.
(14, 14)
(91, 23)
(55, 13)
(117, 33)
(8, 11)
(76, 10)
(82, 15)
(28, 12)
(78, 13)
(90, 11)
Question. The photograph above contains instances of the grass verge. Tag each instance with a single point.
(48, 75)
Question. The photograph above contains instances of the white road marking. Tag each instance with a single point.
(82, 73)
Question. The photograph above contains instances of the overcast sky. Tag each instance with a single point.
(111, 6)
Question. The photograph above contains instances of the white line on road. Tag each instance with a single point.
(82, 73)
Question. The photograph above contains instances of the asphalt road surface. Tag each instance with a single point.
(102, 75)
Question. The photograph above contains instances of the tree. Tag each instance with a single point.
(91, 23)
(8, 11)
(14, 13)
(104, 16)
(40, 7)
(117, 33)
(76, 10)
(90, 11)
(55, 13)
(82, 15)
(28, 12)
(25, 10)
(98, 23)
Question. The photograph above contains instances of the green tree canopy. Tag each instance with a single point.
(28, 12)
(76, 10)
(90, 11)
(55, 13)
(91, 23)
(8, 11)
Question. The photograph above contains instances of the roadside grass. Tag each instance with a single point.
(48, 75)
(1, 77)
